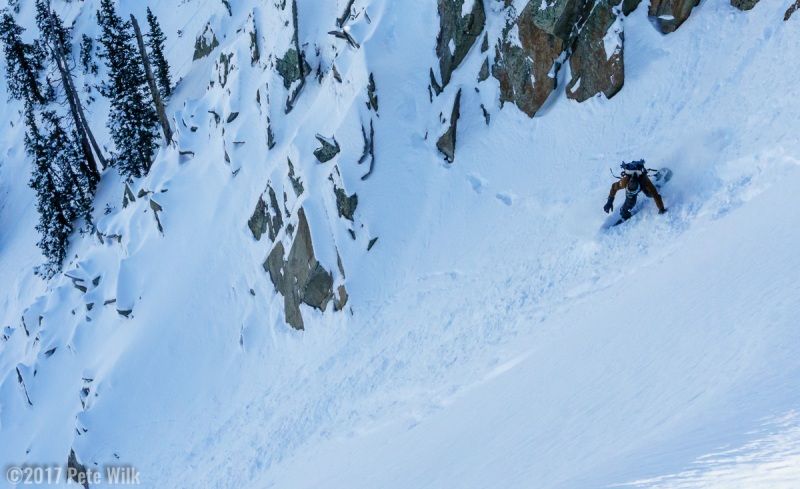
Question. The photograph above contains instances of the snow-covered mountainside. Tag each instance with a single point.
(375, 254)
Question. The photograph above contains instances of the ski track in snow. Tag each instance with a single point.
(489, 342)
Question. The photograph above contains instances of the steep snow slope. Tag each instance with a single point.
(495, 336)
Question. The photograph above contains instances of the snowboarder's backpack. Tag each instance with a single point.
(634, 168)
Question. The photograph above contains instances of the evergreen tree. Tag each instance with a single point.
(155, 42)
(133, 121)
(54, 33)
(88, 64)
(76, 186)
(63, 178)
(55, 220)
(24, 63)
(64, 193)
(56, 41)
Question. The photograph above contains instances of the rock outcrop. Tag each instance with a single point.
(457, 34)
(329, 149)
(589, 33)
(265, 219)
(791, 10)
(77, 471)
(529, 56)
(525, 65)
(596, 63)
(205, 43)
(293, 67)
(345, 204)
(744, 4)
(670, 14)
(258, 221)
(556, 17)
(300, 278)
(629, 6)
(447, 143)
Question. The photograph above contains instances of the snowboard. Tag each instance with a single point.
(659, 179)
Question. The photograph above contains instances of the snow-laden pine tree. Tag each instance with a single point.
(56, 43)
(54, 34)
(133, 121)
(23, 63)
(64, 192)
(64, 175)
(55, 218)
(87, 61)
(155, 43)
(76, 186)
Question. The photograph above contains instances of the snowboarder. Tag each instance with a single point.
(634, 180)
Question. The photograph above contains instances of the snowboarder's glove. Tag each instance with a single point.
(663, 211)
(609, 205)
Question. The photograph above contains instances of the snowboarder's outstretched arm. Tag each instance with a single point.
(619, 185)
(652, 191)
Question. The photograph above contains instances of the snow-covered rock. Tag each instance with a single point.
(457, 34)
(670, 14)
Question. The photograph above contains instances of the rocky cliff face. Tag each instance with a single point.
(551, 31)
(457, 34)
(527, 57)
(541, 35)
(538, 38)
(597, 61)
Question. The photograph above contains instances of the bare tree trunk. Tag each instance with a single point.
(81, 124)
(87, 130)
(162, 114)
(76, 111)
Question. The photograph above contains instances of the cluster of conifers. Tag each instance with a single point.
(67, 161)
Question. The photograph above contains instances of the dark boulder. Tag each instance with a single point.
(629, 6)
(266, 218)
(668, 15)
(258, 221)
(744, 4)
(329, 149)
(345, 204)
(447, 143)
(791, 10)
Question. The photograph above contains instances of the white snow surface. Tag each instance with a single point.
(513, 37)
(495, 336)
(466, 7)
(612, 41)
